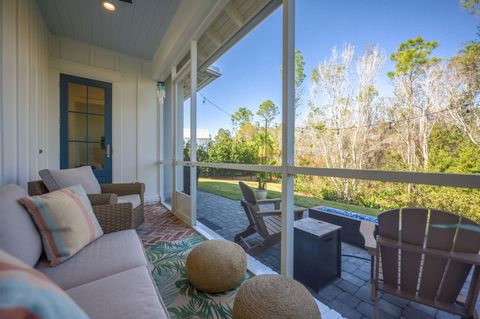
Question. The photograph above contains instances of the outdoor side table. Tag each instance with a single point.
(317, 254)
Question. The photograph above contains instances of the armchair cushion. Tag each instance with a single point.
(56, 179)
(133, 199)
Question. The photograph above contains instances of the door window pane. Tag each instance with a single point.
(96, 156)
(96, 127)
(77, 154)
(96, 100)
(86, 116)
(77, 127)
(77, 100)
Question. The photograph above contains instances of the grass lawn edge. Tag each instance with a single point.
(230, 189)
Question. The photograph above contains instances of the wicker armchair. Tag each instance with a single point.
(111, 215)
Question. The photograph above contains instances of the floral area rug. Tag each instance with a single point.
(180, 297)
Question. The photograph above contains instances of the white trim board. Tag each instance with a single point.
(176, 43)
(180, 216)
(269, 8)
(288, 135)
(151, 199)
(85, 70)
(241, 167)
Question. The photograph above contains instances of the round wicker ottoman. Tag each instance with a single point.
(275, 297)
(216, 265)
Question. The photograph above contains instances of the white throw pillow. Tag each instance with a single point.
(55, 179)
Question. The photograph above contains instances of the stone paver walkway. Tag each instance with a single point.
(348, 295)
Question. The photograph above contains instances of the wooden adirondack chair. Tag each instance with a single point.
(424, 263)
(267, 223)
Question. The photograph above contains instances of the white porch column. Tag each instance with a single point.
(288, 131)
(179, 112)
(174, 134)
(193, 132)
(160, 144)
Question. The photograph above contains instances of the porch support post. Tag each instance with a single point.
(174, 134)
(160, 143)
(179, 126)
(288, 131)
(193, 132)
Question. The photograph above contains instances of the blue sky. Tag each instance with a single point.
(251, 69)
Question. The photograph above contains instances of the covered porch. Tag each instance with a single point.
(153, 58)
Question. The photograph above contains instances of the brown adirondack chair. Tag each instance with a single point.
(267, 223)
(425, 263)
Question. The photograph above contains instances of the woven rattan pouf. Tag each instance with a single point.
(216, 265)
(274, 297)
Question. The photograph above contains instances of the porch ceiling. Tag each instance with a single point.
(135, 29)
(159, 30)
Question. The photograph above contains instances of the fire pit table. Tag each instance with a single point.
(317, 257)
(349, 221)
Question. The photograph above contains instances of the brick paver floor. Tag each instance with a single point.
(161, 225)
(348, 295)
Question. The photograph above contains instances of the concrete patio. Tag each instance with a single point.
(348, 295)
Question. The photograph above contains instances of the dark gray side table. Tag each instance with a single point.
(317, 254)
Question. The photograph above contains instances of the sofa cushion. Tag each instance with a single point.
(134, 199)
(110, 254)
(128, 294)
(26, 293)
(66, 221)
(55, 179)
(18, 234)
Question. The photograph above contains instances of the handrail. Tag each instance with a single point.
(422, 178)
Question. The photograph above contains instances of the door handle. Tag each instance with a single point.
(108, 150)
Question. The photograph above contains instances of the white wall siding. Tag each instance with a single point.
(24, 57)
(32, 60)
(1, 93)
(134, 107)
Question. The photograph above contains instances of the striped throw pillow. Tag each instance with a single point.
(28, 294)
(66, 222)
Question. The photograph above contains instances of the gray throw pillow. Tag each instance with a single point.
(55, 179)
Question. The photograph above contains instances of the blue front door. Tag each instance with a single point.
(86, 125)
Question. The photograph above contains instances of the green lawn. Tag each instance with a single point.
(230, 189)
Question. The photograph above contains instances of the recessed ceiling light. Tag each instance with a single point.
(109, 6)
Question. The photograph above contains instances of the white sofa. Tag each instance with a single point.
(109, 278)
